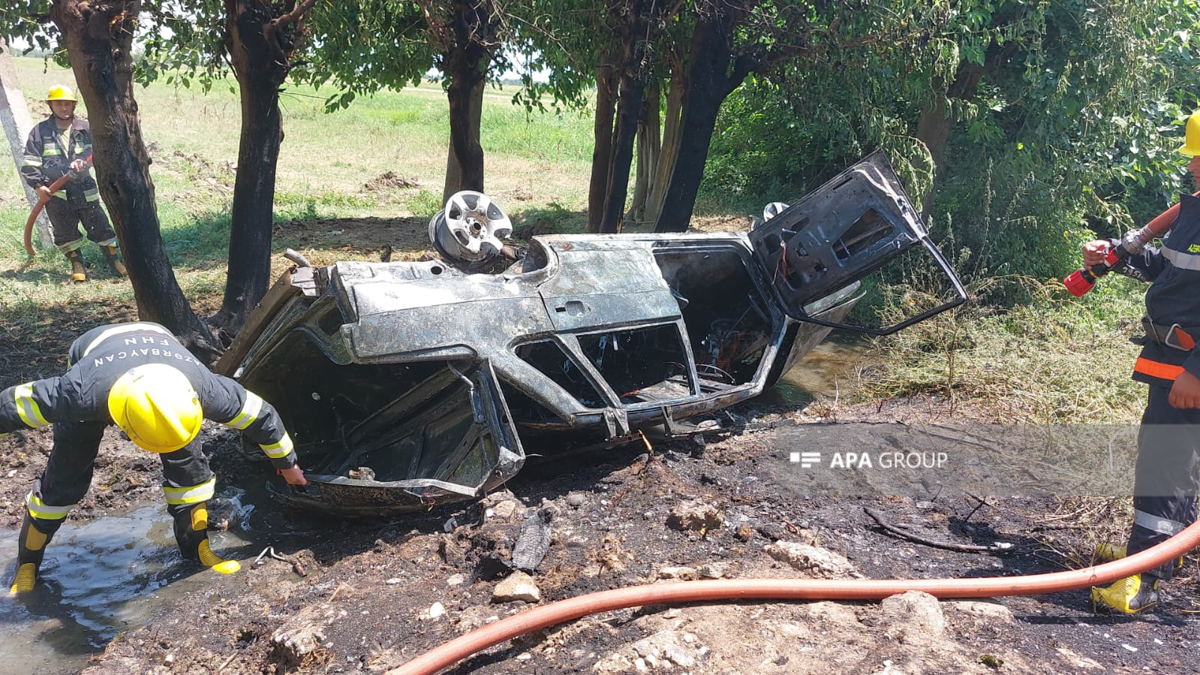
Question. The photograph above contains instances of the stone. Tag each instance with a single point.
(576, 499)
(504, 510)
(696, 516)
(517, 586)
(811, 560)
(437, 610)
(456, 580)
(303, 633)
(915, 617)
(987, 611)
(681, 573)
(711, 571)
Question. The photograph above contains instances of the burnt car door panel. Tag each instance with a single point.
(840, 233)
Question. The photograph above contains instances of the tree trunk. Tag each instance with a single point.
(259, 74)
(649, 148)
(935, 124)
(98, 37)
(712, 75)
(468, 42)
(671, 139)
(629, 105)
(602, 132)
(456, 179)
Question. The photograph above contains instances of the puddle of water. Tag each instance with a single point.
(827, 371)
(100, 578)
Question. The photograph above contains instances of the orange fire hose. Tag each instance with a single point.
(792, 589)
(37, 208)
(41, 203)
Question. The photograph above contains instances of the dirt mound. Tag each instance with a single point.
(389, 181)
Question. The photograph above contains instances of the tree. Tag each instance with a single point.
(731, 39)
(260, 39)
(466, 36)
(98, 37)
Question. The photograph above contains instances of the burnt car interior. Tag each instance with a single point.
(726, 316)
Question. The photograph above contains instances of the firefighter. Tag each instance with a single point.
(1165, 484)
(61, 144)
(139, 377)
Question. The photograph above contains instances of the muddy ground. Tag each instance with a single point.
(378, 592)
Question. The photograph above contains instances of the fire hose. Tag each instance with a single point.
(1082, 280)
(792, 589)
(41, 203)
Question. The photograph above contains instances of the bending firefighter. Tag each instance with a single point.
(60, 145)
(1165, 484)
(139, 377)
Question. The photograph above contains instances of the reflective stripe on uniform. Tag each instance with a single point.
(71, 245)
(127, 328)
(30, 160)
(249, 412)
(190, 495)
(39, 509)
(278, 450)
(1164, 371)
(1184, 261)
(50, 150)
(1157, 524)
(91, 196)
(28, 408)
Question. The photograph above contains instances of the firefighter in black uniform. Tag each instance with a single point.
(1165, 484)
(138, 376)
(60, 144)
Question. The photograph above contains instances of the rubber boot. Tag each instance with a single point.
(31, 546)
(191, 533)
(78, 274)
(1106, 552)
(1131, 595)
(118, 267)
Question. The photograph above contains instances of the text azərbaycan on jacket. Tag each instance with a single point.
(100, 356)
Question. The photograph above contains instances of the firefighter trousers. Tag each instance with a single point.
(65, 216)
(187, 479)
(1165, 485)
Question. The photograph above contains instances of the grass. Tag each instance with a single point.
(536, 164)
(1051, 360)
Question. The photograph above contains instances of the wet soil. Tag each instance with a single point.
(371, 585)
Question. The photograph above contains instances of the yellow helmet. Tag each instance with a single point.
(60, 93)
(156, 406)
(1191, 140)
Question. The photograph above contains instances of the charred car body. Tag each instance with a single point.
(412, 383)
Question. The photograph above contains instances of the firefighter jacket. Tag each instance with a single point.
(1173, 299)
(46, 160)
(102, 355)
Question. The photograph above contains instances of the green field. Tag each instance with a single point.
(537, 164)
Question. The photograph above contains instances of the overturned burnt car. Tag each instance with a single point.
(407, 384)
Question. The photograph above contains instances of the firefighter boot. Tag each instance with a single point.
(31, 546)
(118, 267)
(78, 274)
(1131, 595)
(191, 533)
(1106, 552)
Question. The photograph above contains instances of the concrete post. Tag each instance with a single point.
(17, 123)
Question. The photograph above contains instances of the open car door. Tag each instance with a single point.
(843, 231)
